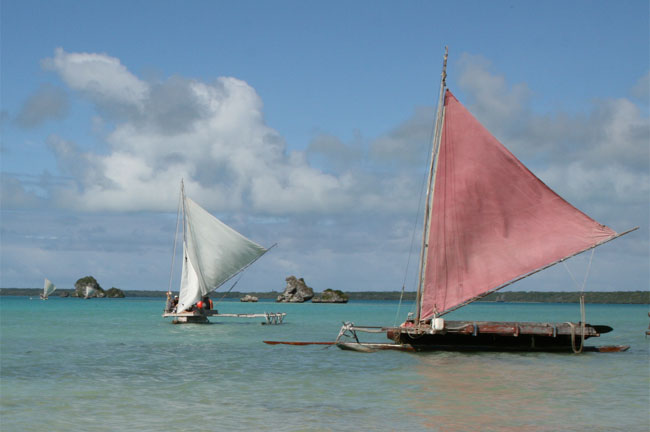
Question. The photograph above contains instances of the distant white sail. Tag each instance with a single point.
(89, 292)
(212, 253)
(48, 288)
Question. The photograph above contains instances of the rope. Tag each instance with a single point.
(227, 292)
(415, 225)
(582, 306)
(171, 270)
(584, 282)
(582, 328)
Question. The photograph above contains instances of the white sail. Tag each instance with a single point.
(89, 291)
(48, 288)
(190, 291)
(212, 253)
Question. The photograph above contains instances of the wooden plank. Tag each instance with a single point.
(201, 317)
(608, 348)
(250, 315)
(297, 343)
(372, 347)
(504, 328)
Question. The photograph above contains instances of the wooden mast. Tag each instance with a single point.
(184, 213)
(430, 181)
(178, 218)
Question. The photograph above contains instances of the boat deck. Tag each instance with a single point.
(482, 336)
(202, 317)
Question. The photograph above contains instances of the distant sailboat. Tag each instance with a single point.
(489, 222)
(213, 253)
(89, 292)
(48, 288)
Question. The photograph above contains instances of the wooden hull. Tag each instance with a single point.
(193, 317)
(498, 336)
(372, 347)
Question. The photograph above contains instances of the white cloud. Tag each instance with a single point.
(501, 107)
(641, 90)
(101, 77)
(48, 102)
(15, 195)
(212, 135)
(215, 137)
(336, 224)
(409, 142)
(623, 134)
(595, 160)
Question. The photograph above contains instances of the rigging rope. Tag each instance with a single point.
(582, 328)
(582, 306)
(178, 217)
(415, 225)
(233, 285)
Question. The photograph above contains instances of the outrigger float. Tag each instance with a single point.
(488, 222)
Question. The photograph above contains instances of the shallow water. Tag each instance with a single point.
(116, 364)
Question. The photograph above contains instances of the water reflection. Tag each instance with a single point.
(496, 392)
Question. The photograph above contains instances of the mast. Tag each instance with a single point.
(182, 209)
(181, 206)
(431, 179)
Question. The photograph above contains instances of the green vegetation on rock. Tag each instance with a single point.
(115, 293)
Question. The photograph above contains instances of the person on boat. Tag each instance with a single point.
(168, 303)
(207, 303)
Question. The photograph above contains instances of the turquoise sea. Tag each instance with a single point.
(116, 365)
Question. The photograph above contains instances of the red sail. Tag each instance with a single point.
(492, 220)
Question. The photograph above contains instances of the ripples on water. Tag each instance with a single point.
(115, 364)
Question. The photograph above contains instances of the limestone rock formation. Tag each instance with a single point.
(296, 291)
(331, 296)
(88, 287)
(115, 293)
(249, 298)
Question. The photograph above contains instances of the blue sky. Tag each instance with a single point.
(305, 124)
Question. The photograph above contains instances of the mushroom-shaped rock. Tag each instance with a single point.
(296, 291)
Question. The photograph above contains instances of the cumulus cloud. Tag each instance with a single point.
(49, 102)
(501, 107)
(409, 142)
(211, 134)
(214, 135)
(641, 90)
(101, 77)
(336, 154)
(623, 134)
(337, 208)
(600, 155)
(15, 194)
